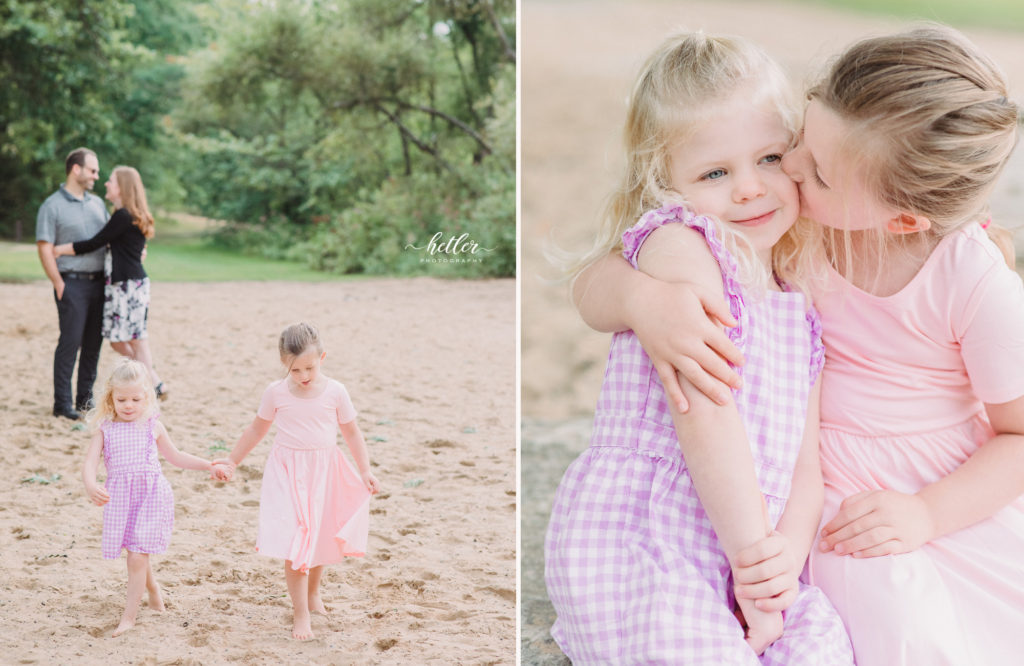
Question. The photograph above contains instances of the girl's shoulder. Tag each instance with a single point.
(335, 388)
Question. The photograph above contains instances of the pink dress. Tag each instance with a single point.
(904, 381)
(632, 564)
(140, 514)
(314, 508)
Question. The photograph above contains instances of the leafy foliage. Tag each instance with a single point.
(342, 133)
(79, 73)
(355, 126)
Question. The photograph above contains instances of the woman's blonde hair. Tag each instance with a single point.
(133, 197)
(680, 87)
(930, 123)
(126, 372)
(296, 340)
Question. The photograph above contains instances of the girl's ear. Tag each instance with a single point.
(906, 223)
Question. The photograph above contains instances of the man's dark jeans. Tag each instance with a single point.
(80, 314)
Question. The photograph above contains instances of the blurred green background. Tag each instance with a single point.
(327, 134)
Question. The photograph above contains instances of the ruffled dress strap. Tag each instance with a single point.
(634, 237)
(817, 345)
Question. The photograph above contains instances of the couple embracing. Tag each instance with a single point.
(98, 294)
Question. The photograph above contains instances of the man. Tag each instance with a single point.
(72, 214)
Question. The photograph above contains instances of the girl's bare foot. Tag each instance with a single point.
(156, 600)
(316, 605)
(302, 629)
(125, 625)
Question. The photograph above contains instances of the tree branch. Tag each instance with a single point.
(510, 53)
(451, 120)
(414, 140)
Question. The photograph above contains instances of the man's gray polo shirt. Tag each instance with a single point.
(64, 218)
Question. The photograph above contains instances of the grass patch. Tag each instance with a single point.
(180, 252)
(1001, 14)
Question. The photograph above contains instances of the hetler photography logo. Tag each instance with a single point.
(455, 250)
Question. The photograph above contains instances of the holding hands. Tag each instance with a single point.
(768, 572)
(222, 469)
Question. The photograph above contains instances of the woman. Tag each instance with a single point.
(126, 297)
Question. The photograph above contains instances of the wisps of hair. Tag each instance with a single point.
(297, 339)
(681, 85)
(126, 372)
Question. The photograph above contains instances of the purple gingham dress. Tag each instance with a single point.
(632, 563)
(140, 513)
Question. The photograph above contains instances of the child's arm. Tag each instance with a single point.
(97, 494)
(357, 445)
(251, 436)
(679, 325)
(884, 522)
(769, 571)
(711, 436)
(177, 458)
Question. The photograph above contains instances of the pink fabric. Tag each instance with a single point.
(902, 392)
(140, 514)
(314, 508)
(632, 563)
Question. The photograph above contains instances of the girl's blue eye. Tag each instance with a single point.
(714, 174)
(772, 159)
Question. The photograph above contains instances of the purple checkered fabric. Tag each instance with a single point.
(140, 514)
(633, 566)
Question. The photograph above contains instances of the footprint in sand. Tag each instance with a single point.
(385, 644)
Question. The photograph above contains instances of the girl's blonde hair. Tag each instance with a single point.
(133, 197)
(680, 87)
(296, 339)
(930, 123)
(126, 372)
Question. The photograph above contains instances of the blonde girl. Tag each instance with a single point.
(314, 506)
(649, 525)
(126, 295)
(138, 505)
(922, 434)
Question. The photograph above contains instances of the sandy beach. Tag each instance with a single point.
(579, 59)
(430, 366)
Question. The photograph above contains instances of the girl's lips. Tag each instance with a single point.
(756, 221)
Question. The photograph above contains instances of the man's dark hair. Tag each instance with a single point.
(76, 156)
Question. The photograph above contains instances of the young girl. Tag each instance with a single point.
(126, 302)
(649, 524)
(314, 507)
(138, 505)
(922, 412)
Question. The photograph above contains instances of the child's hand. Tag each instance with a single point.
(222, 470)
(97, 494)
(680, 338)
(878, 522)
(768, 572)
(371, 482)
(761, 629)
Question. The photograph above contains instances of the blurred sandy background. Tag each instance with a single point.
(579, 59)
(430, 366)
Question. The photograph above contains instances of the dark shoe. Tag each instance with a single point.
(84, 406)
(67, 413)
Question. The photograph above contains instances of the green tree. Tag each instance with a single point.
(83, 73)
(309, 115)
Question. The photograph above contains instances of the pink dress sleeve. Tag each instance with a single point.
(346, 410)
(992, 336)
(268, 406)
(634, 237)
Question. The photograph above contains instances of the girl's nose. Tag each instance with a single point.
(748, 186)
